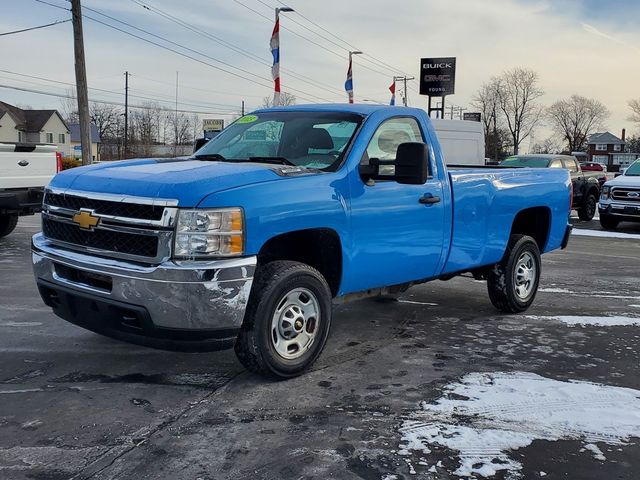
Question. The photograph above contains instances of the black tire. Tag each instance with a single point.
(588, 210)
(7, 224)
(608, 222)
(255, 345)
(502, 283)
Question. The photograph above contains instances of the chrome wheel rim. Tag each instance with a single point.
(525, 275)
(295, 323)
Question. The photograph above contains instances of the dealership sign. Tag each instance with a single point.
(472, 116)
(437, 76)
(212, 124)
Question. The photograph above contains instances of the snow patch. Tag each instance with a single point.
(486, 415)
(583, 232)
(597, 453)
(555, 290)
(573, 320)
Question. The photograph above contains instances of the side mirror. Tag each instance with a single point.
(412, 163)
(199, 143)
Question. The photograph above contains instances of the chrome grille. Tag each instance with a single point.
(128, 228)
(626, 194)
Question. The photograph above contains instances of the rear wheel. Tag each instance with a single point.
(287, 320)
(608, 222)
(513, 283)
(588, 210)
(7, 224)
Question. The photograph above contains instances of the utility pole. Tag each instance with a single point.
(243, 108)
(175, 139)
(81, 83)
(126, 113)
(405, 91)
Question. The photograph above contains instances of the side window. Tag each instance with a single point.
(389, 135)
(555, 164)
(571, 165)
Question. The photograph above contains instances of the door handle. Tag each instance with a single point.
(428, 199)
(23, 163)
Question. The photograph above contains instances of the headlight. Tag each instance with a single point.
(604, 193)
(209, 233)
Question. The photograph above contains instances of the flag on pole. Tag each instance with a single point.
(348, 85)
(275, 68)
(392, 89)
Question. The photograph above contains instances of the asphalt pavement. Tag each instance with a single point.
(77, 405)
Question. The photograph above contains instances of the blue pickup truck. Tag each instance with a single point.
(249, 242)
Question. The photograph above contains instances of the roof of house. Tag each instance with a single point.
(74, 128)
(29, 120)
(605, 138)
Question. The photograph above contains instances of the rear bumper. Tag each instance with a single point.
(21, 201)
(186, 306)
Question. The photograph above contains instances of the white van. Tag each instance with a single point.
(462, 141)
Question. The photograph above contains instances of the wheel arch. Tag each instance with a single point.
(320, 248)
(534, 222)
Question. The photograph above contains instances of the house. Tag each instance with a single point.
(609, 150)
(19, 125)
(76, 150)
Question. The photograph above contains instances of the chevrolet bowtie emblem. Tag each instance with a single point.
(86, 219)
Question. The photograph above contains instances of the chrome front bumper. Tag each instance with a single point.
(192, 300)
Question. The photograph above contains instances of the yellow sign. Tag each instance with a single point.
(85, 219)
(212, 124)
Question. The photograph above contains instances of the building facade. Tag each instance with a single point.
(608, 150)
(24, 126)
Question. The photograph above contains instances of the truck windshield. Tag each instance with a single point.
(306, 139)
(633, 170)
(525, 161)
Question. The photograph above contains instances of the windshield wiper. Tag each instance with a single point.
(276, 160)
(210, 156)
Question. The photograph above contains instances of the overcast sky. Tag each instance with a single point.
(587, 47)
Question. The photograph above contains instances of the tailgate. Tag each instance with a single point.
(26, 169)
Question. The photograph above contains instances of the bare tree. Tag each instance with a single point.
(106, 119)
(69, 107)
(518, 91)
(634, 105)
(549, 145)
(486, 100)
(576, 118)
(180, 128)
(285, 99)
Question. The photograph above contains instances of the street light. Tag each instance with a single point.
(275, 51)
(348, 85)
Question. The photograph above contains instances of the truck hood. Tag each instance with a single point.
(185, 180)
(624, 180)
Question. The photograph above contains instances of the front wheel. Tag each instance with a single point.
(287, 321)
(608, 222)
(7, 224)
(513, 283)
(588, 210)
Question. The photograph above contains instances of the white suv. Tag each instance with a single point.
(620, 198)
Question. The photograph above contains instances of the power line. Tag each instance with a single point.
(105, 102)
(35, 28)
(179, 52)
(233, 47)
(115, 92)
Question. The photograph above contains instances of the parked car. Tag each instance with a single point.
(586, 185)
(592, 167)
(248, 243)
(24, 172)
(620, 198)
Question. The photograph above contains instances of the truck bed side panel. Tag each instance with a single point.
(485, 204)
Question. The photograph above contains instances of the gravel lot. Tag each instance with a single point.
(77, 405)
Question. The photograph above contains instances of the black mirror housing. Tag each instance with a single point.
(412, 163)
(199, 143)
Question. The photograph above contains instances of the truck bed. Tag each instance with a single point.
(485, 203)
